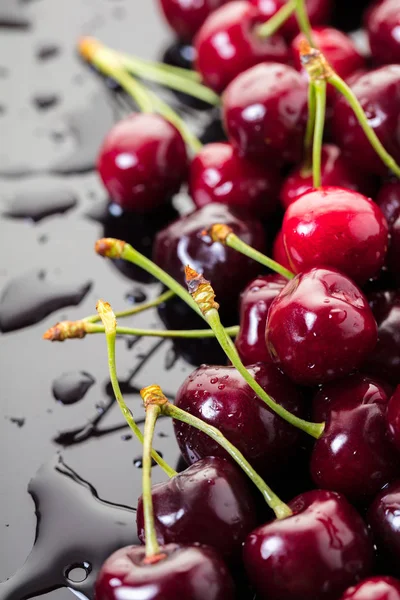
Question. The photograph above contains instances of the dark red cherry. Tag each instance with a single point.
(220, 396)
(378, 92)
(254, 305)
(318, 12)
(374, 588)
(279, 251)
(186, 17)
(393, 418)
(228, 44)
(219, 174)
(335, 171)
(388, 200)
(383, 518)
(354, 455)
(338, 228)
(265, 113)
(315, 554)
(320, 327)
(194, 572)
(209, 502)
(142, 162)
(383, 26)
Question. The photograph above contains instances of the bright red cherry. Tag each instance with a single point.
(374, 588)
(338, 228)
(265, 113)
(219, 174)
(354, 456)
(383, 26)
(378, 92)
(315, 554)
(383, 518)
(142, 162)
(335, 171)
(228, 44)
(220, 396)
(279, 251)
(320, 327)
(209, 502)
(186, 17)
(194, 572)
(393, 418)
(388, 200)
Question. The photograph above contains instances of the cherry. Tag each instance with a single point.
(374, 588)
(339, 228)
(335, 171)
(209, 502)
(388, 200)
(378, 92)
(221, 397)
(383, 518)
(383, 25)
(279, 251)
(320, 327)
(354, 456)
(393, 418)
(219, 174)
(194, 572)
(228, 44)
(142, 162)
(265, 113)
(317, 553)
(254, 305)
(186, 17)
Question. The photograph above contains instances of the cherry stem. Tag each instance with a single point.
(135, 310)
(165, 333)
(188, 74)
(308, 138)
(303, 21)
(320, 101)
(110, 324)
(277, 20)
(152, 545)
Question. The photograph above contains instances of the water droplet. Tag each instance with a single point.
(79, 572)
(36, 200)
(71, 387)
(45, 101)
(136, 296)
(214, 380)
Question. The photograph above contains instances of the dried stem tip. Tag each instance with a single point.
(153, 394)
(107, 316)
(66, 330)
(110, 247)
(315, 62)
(88, 48)
(218, 232)
(201, 290)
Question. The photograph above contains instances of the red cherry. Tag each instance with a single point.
(374, 588)
(186, 17)
(320, 327)
(228, 44)
(335, 171)
(279, 251)
(383, 26)
(315, 554)
(388, 200)
(219, 174)
(383, 518)
(265, 113)
(142, 162)
(338, 228)
(393, 418)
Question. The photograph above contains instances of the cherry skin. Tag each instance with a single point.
(228, 44)
(378, 92)
(194, 572)
(320, 327)
(279, 251)
(316, 553)
(393, 418)
(219, 174)
(142, 162)
(186, 17)
(383, 24)
(338, 228)
(265, 113)
(354, 456)
(209, 502)
(383, 518)
(335, 171)
(220, 396)
(388, 200)
(374, 588)
(254, 305)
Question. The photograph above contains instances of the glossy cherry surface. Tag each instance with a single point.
(279, 251)
(393, 418)
(320, 327)
(186, 17)
(317, 553)
(265, 113)
(219, 174)
(383, 518)
(194, 572)
(338, 228)
(254, 305)
(378, 93)
(221, 397)
(383, 25)
(335, 171)
(354, 455)
(228, 44)
(388, 200)
(374, 588)
(318, 12)
(142, 162)
(210, 502)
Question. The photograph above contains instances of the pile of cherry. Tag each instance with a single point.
(325, 344)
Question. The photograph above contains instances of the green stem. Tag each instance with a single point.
(130, 62)
(320, 99)
(135, 310)
(304, 21)
(352, 99)
(277, 20)
(308, 138)
(152, 545)
(280, 509)
(233, 241)
(164, 333)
